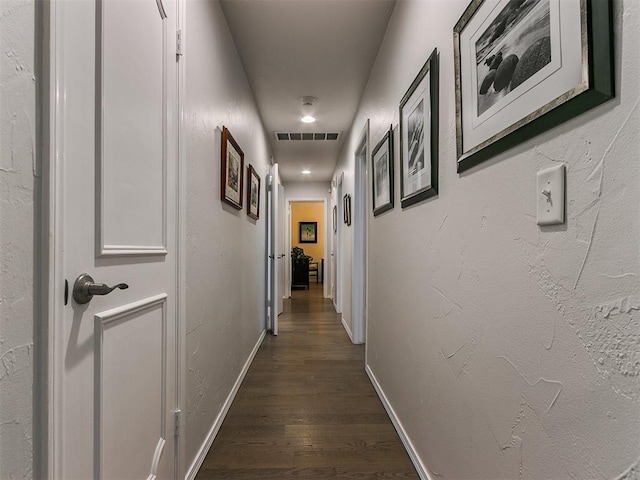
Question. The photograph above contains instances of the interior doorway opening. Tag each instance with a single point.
(308, 230)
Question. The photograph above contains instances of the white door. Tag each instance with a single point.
(280, 246)
(114, 144)
(274, 221)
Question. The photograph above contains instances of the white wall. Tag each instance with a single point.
(508, 350)
(225, 258)
(17, 160)
(307, 190)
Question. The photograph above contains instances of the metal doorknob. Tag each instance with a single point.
(84, 289)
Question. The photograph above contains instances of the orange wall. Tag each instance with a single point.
(308, 212)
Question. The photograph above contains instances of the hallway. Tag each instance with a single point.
(306, 408)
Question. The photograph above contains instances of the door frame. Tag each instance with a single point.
(360, 237)
(49, 352)
(289, 230)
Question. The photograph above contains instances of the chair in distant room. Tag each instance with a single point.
(314, 270)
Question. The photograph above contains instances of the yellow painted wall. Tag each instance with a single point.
(308, 212)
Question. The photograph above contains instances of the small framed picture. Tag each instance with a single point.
(253, 193)
(419, 136)
(525, 66)
(346, 204)
(232, 170)
(382, 165)
(308, 232)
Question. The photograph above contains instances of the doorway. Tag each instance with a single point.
(308, 215)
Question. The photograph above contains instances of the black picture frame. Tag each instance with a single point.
(253, 193)
(232, 170)
(335, 219)
(538, 91)
(382, 166)
(346, 208)
(419, 148)
(308, 232)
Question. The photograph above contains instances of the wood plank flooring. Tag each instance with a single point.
(306, 408)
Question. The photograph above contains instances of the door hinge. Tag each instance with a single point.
(179, 43)
(177, 414)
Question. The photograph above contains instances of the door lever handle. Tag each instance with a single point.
(84, 289)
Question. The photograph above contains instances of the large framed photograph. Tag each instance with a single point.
(308, 232)
(525, 66)
(382, 178)
(253, 193)
(232, 170)
(419, 136)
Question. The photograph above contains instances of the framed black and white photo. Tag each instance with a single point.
(232, 170)
(419, 136)
(253, 193)
(382, 178)
(525, 66)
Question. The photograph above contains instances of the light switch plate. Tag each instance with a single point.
(550, 195)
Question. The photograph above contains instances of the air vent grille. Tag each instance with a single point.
(284, 136)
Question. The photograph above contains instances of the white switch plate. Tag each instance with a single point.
(550, 195)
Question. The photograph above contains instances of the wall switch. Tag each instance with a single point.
(550, 196)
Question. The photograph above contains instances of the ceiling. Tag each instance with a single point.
(296, 48)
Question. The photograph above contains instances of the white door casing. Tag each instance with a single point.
(280, 245)
(274, 238)
(359, 257)
(113, 143)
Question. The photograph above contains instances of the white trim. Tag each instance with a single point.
(402, 433)
(359, 251)
(346, 327)
(215, 428)
(181, 255)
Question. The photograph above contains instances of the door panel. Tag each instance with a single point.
(130, 373)
(131, 81)
(114, 359)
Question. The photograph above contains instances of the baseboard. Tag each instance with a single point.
(406, 441)
(197, 462)
(346, 327)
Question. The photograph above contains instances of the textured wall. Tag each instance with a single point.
(225, 291)
(508, 350)
(17, 159)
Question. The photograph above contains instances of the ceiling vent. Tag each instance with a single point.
(283, 136)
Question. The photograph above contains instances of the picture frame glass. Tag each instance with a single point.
(253, 193)
(233, 175)
(382, 174)
(416, 140)
(308, 232)
(517, 57)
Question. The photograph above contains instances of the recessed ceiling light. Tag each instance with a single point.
(308, 119)
(306, 172)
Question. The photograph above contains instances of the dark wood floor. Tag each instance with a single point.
(306, 408)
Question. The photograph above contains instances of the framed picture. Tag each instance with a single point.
(382, 177)
(253, 193)
(525, 66)
(335, 219)
(232, 170)
(346, 204)
(308, 232)
(419, 136)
